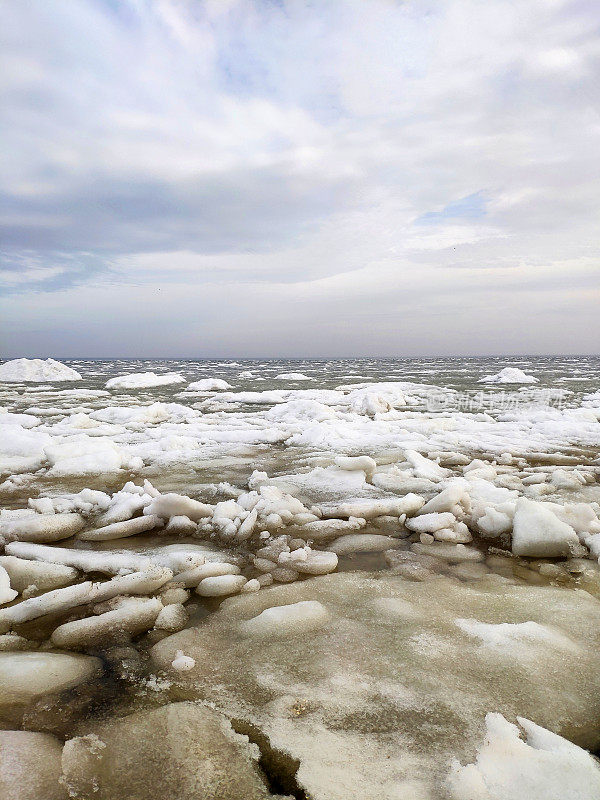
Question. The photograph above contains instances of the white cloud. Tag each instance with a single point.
(292, 148)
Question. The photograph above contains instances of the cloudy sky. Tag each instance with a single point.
(300, 177)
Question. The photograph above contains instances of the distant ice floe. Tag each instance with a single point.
(36, 370)
(209, 385)
(293, 376)
(509, 375)
(144, 380)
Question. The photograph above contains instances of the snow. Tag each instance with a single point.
(509, 375)
(144, 380)
(36, 370)
(544, 767)
(182, 663)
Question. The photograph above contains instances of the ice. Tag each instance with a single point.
(220, 585)
(121, 530)
(362, 543)
(287, 620)
(144, 380)
(430, 523)
(509, 375)
(26, 676)
(42, 527)
(317, 562)
(25, 370)
(368, 509)
(175, 505)
(172, 617)
(537, 532)
(292, 376)
(424, 467)
(183, 751)
(365, 463)
(30, 766)
(384, 690)
(544, 767)
(208, 385)
(59, 600)
(83, 455)
(132, 617)
(7, 594)
(44, 577)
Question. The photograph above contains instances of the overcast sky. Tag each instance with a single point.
(300, 177)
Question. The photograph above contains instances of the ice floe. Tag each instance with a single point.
(509, 375)
(36, 370)
(144, 380)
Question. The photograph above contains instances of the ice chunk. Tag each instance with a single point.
(424, 467)
(292, 376)
(25, 370)
(24, 573)
(317, 562)
(176, 505)
(289, 620)
(509, 375)
(448, 499)
(144, 380)
(42, 527)
(209, 385)
(545, 767)
(538, 533)
(121, 530)
(368, 509)
(60, 600)
(367, 464)
(132, 617)
(182, 751)
(6, 593)
(429, 523)
(220, 585)
(25, 676)
(182, 663)
(30, 766)
(172, 617)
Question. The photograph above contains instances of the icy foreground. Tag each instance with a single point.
(245, 589)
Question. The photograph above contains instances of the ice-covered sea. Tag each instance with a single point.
(371, 578)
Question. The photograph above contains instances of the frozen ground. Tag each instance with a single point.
(408, 553)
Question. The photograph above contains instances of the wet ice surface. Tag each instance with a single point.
(371, 568)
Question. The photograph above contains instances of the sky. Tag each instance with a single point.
(299, 178)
